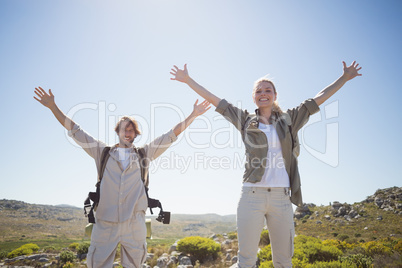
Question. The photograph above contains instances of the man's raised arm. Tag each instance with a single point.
(47, 100)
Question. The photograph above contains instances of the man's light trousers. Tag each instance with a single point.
(131, 235)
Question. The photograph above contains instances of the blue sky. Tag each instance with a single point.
(105, 59)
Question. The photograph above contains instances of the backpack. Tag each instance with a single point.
(164, 216)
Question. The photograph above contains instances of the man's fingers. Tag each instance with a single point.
(43, 91)
(50, 92)
(39, 95)
(38, 91)
(344, 64)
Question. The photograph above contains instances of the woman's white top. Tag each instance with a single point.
(275, 174)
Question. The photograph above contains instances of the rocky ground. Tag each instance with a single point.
(384, 206)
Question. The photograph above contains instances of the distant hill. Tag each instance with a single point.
(65, 206)
(378, 216)
(20, 220)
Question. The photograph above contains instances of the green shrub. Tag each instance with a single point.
(358, 260)
(74, 246)
(49, 249)
(83, 248)
(266, 264)
(199, 248)
(376, 248)
(398, 247)
(67, 256)
(26, 249)
(3, 254)
(264, 238)
(332, 264)
(68, 265)
(265, 254)
(343, 237)
(311, 250)
(232, 235)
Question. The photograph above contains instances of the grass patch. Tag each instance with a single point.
(55, 242)
(161, 242)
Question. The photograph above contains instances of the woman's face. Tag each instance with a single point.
(264, 95)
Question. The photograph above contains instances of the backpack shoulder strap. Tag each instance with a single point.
(104, 157)
(143, 166)
(95, 196)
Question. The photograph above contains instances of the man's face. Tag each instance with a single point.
(126, 134)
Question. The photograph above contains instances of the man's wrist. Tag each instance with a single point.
(52, 107)
(188, 80)
(192, 115)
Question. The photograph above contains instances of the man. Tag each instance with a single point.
(120, 216)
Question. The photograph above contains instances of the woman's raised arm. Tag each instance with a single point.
(182, 75)
(348, 74)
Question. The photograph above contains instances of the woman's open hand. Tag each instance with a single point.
(352, 71)
(180, 75)
(46, 99)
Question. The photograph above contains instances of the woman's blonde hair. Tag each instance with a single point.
(275, 106)
(131, 121)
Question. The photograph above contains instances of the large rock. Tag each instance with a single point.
(173, 247)
(185, 261)
(336, 205)
(162, 262)
(173, 260)
(353, 213)
(341, 212)
(234, 259)
(150, 256)
(302, 211)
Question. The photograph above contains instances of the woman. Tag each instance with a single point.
(271, 180)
